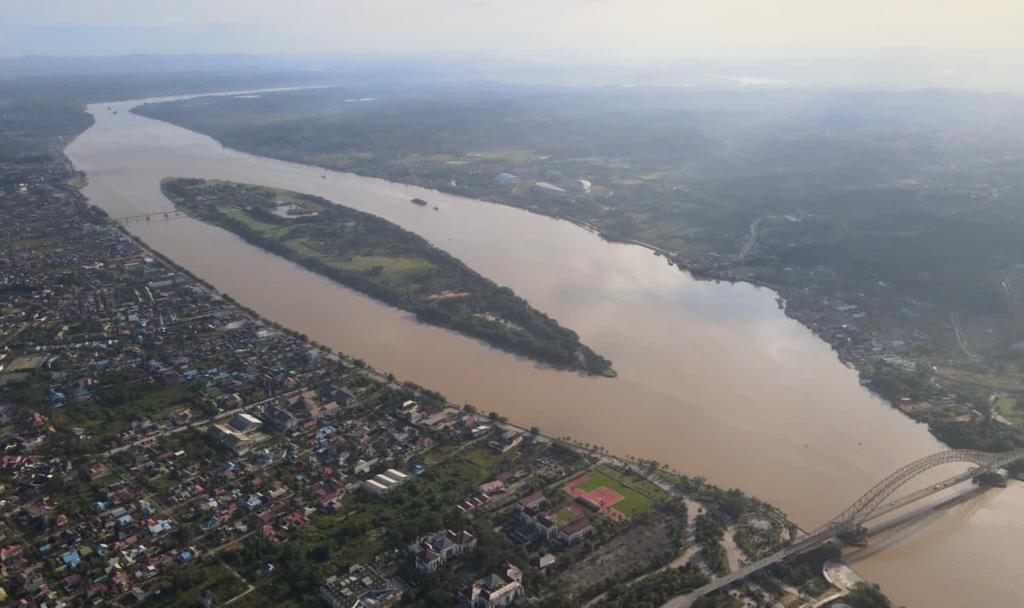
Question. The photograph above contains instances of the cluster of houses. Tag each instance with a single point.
(230, 430)
(112, 547)
(87, 312)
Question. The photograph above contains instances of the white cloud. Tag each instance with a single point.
(629, 28)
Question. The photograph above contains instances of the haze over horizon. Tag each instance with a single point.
(951, 43)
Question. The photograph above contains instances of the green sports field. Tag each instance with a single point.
(632, 502)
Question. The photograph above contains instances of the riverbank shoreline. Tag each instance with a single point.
(526, 417)
(818, 318)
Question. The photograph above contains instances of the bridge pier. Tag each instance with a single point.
(991, 479)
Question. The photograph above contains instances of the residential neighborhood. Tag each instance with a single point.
(165, 446)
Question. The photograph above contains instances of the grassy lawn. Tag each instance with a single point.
(203, 576)
(1008, 407)
(484, 458)
(635, 481)
(41, 244)
(237, 213)
(103, 421)
(998, 382)
(394, 269)
(161, 484)
(162, 398)
(106, 480)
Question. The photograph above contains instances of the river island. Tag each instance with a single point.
(377, 258)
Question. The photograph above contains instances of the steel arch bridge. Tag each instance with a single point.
(872, 503)
(869, 506)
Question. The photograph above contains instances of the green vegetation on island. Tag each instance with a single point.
(375, 257)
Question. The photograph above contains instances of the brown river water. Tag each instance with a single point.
(714, 379)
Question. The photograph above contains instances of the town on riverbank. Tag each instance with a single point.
(163, 446)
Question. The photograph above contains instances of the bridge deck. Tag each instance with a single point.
(145, 216)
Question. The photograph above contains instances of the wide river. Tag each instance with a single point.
(713, 378)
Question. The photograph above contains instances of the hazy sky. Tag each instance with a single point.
(641, 29)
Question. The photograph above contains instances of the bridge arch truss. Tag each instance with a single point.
(865, 506)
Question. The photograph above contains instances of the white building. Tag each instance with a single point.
(493, 590)
(434, 550)
(578, 185)
(384, 482)
(245, 423)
